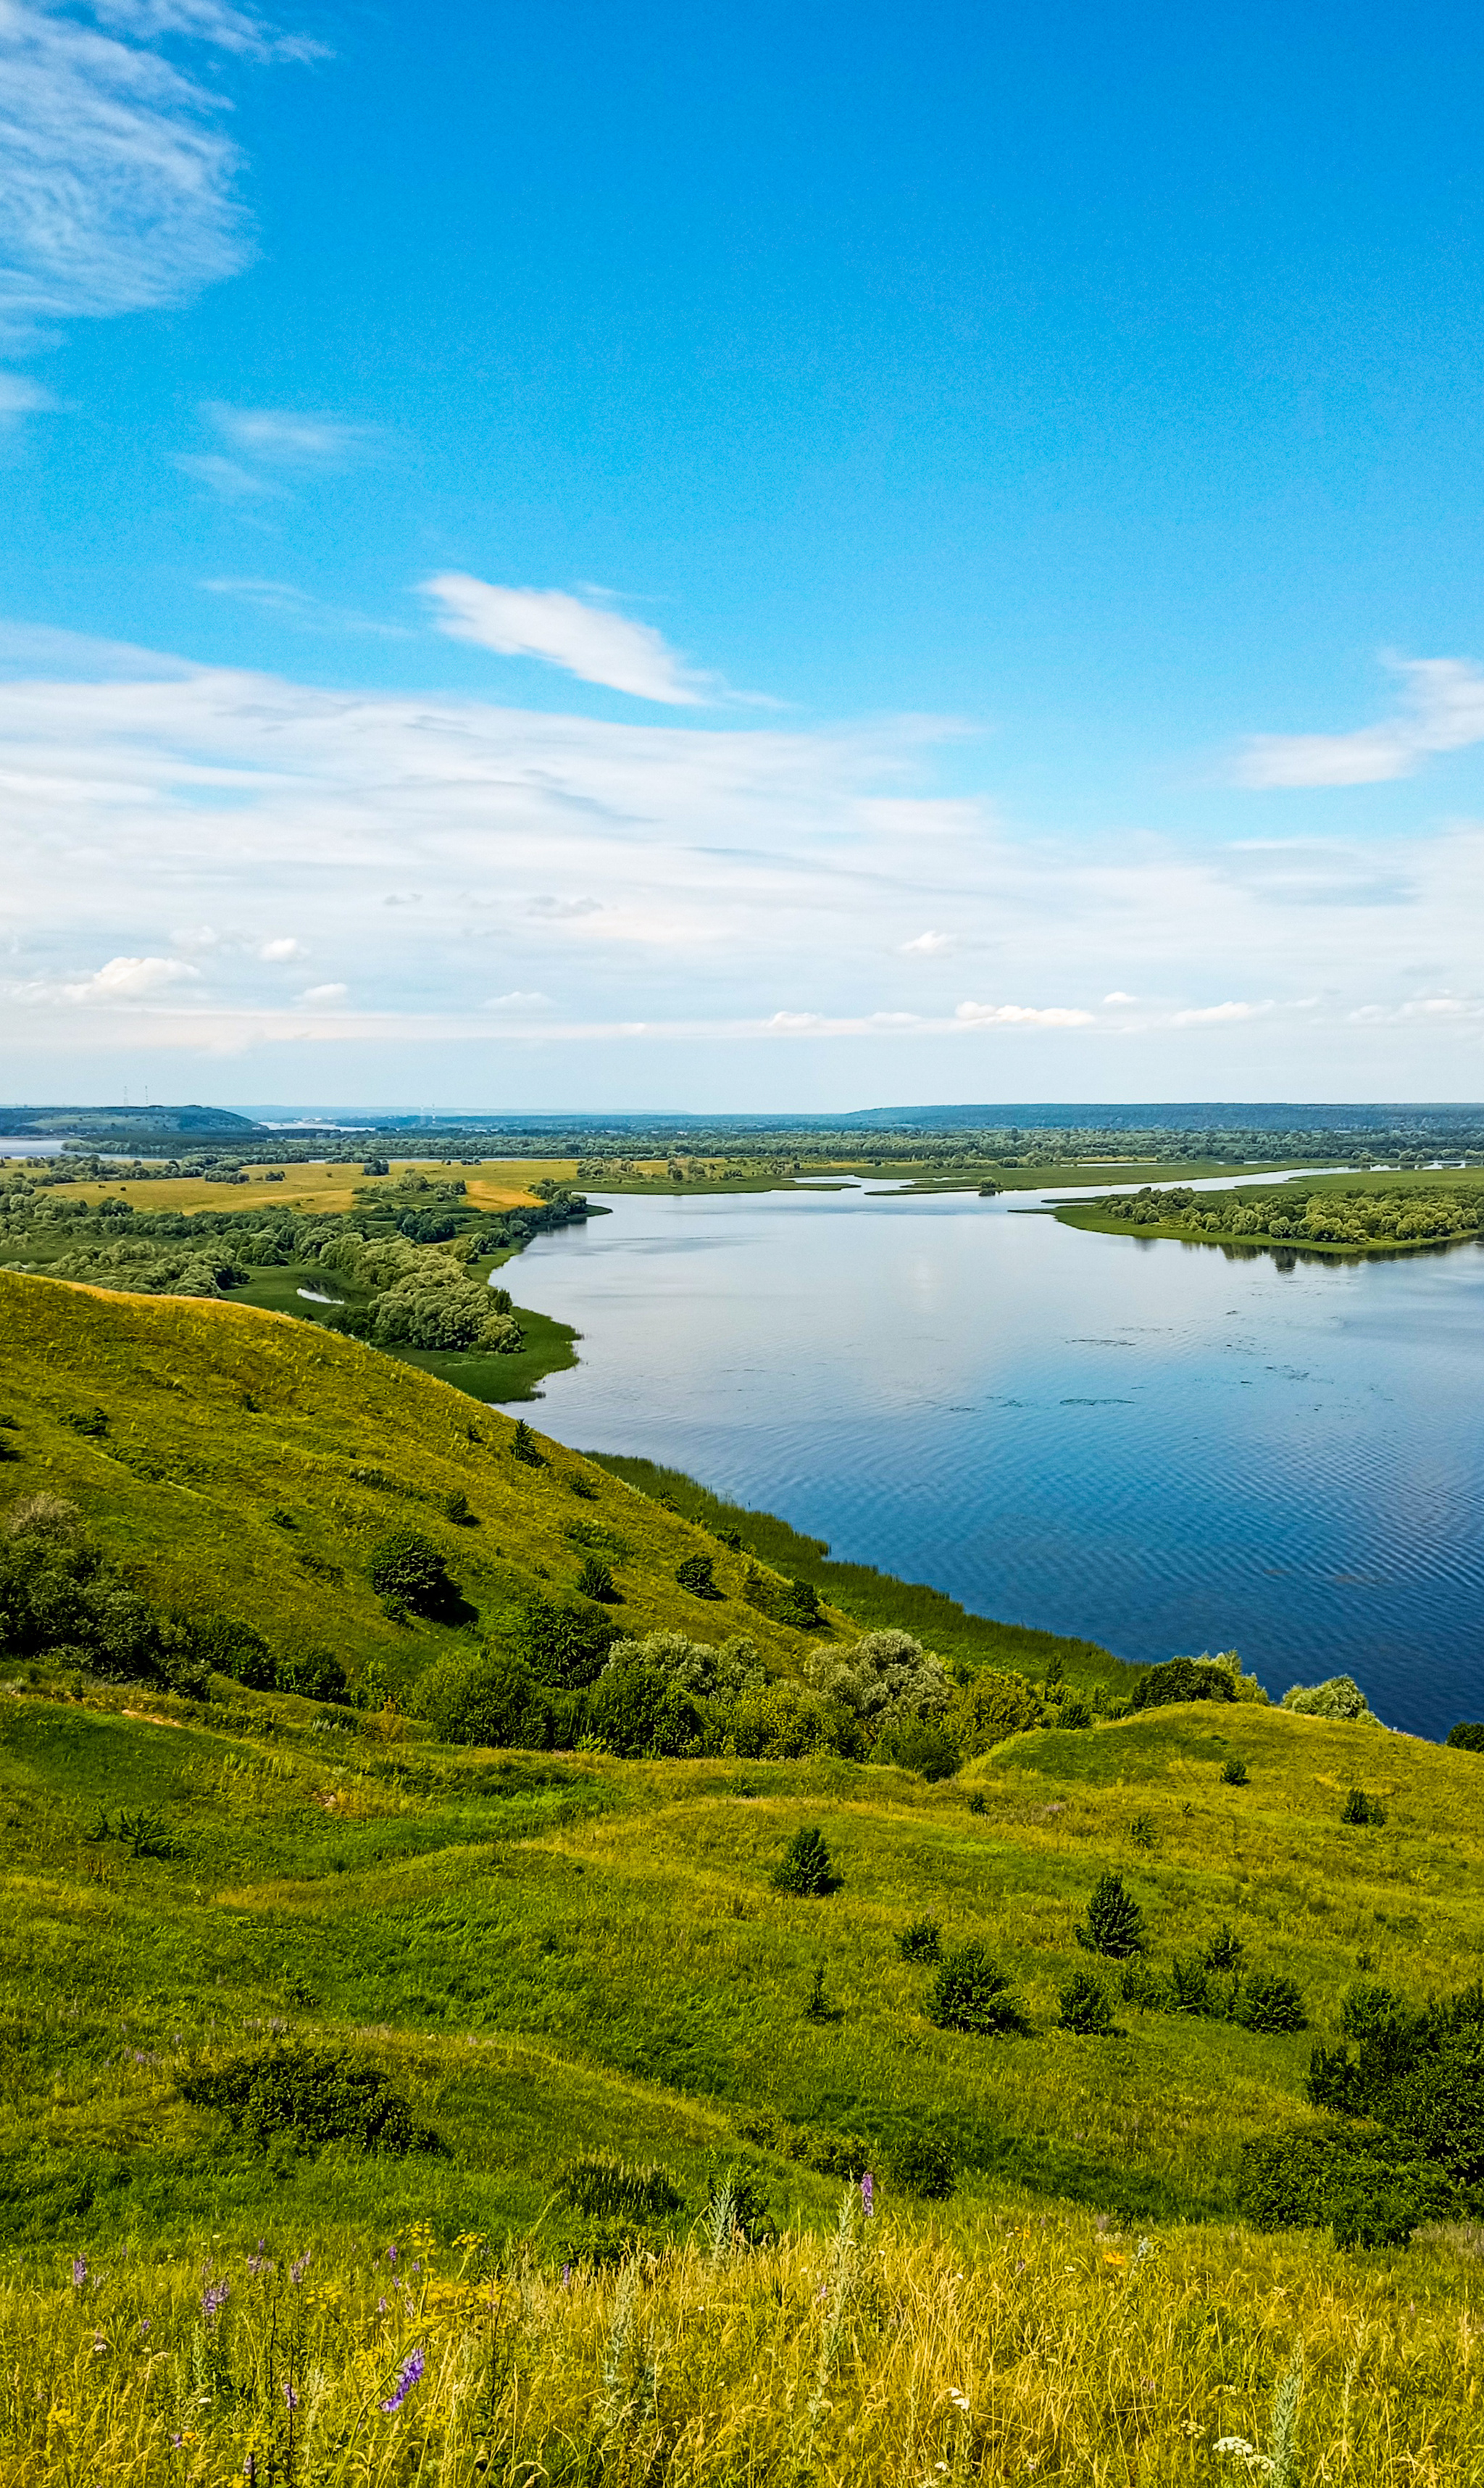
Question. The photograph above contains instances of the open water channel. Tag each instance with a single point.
(1146, 1442)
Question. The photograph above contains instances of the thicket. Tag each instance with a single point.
(1400, 1216)
(314, 2095)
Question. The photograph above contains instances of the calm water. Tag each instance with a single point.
(1144, 1442)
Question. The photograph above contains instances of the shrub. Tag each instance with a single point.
(233, 1648)
(1225, 1952)
(1184, 1679)
(1075, 1713)
(603, 2187)
(1190, 1991)
(637, 1711)
(1360, 1808)
(1371, 2193)
(1234, 1771)
(582, 1487)
(1268, 2000)
(313, 1673)
(455, 1507)
(817, 2006)
(1084, 2006)
(976, 1802)
(787, 1720)
(563, 1641)
(1418, 2075)
(991, 1707)
(524, 1447)
(1141, 1831)
(970, 1994)
(1114, 1924)
(1144, 1987)
(315, 2095)
(408, 1567)
(922, 2164)
(488, 1700)
(799, 1606)
(1467, 1736)
(807, 1867)
(694, 1574)
(596, 1580)
(884, 1678)
(1339, 1697)
(1368, 2007)
(817, 2146)
(921, 1745)
(922, 1940)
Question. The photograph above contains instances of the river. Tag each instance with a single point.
(1146, 1442)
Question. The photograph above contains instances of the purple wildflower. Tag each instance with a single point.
(261, 2261)
(297, 2270)
(291, 2398)
(79, 2271)
(408, 2375)
(145, 2325)
(214, 2297)
(391, 2254)
(868, 2194)
(566, 2276)
(381, 2306)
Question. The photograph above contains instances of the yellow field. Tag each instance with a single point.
(497, 1183)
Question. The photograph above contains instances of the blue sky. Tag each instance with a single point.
(741, 557)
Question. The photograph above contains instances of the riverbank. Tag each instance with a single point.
(1344, 1216)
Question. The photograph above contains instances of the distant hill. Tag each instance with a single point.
(130, 1124)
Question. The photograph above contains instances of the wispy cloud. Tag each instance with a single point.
(295, 605)
(1442, 709)
(276, 439)
(927, 945)
(226, 478)
(116, 180)
(597, 645)
(20, 396)
(1019, 1015)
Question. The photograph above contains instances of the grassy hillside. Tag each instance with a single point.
(248, 1465)
(558, 1958)
(873, 1598)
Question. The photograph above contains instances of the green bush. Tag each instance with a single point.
(1225, 1952)
(1418, 2075)
(991, 1707)
(595, 1581)
(1084, 2006)
(1182, 1680)
(1370, 2192)
(313, 1673)
(637, 1710)
(1191, 1990)
(563, 1641)
(1144, 1987)
(922, 1940)
(1339, 1697)
(799, 1606)
(695, 1574)
(1075, 1712)
(921, 1745)
(817, 2146)
(971, 1993)
(1468, 1736)
(314, 2095)
(807, 1867)
(1114, 1924)
(921, 2165)
(738, 2195)
(1234, 1771)
(455, 1507)
(1368, 2007)
(1268, 2000)
(230, 1648)
(485, 1700)
(408, 1567)
(1360, 1808)
(524, 1447)
(603, 2187)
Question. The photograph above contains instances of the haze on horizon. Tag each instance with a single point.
(669, 561)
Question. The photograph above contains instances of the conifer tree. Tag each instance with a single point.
(1114, 1924)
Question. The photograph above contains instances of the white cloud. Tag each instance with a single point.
(584, 640)
(927, 945)
(130, 980)
(20, 396)
(1443, 711)
(325, 993)
(116, 180)
(1016, 1015)
(226, 478)
(1120, 998)
(682, 882)
(276, 439)
(282, 946)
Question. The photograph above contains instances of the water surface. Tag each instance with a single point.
(1146, 1442)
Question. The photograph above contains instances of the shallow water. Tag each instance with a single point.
(1146, 1442)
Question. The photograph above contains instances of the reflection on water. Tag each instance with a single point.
(1146, 1442)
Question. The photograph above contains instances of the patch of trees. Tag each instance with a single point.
(1400, 1216)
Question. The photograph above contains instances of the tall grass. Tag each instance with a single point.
(880, 2355)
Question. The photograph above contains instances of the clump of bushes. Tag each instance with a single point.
(314, 2095)
(817, 2147)
(922, 2164)
(806, 1868)
(1339, 1697)
(58, 1594)
(922, 1940)
(695, 1574)
(595, 1581)
(1268, 2000)
(972, 1994)
(407, 1569)
(1468, 1736)
(1114, 1924)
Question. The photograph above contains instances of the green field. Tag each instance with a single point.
(636, 2082)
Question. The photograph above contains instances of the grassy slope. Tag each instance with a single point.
(220, 1418)
(1093, 1220)
(876, 1598)
(557, 1955)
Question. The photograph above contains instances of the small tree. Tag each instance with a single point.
(1225, 1952)
(1360, 1808)
(1114, 1924)
(696, 1576)
(807, 1867)
(408, 1569)
(523, 1446)
(455, 1507)
(595, 1581)
(1084, 2006)
(1234, 1771)
(1270, 2001)
(922, 1940)
(970, 1994)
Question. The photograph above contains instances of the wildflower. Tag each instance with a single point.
(145, 2325)
(391, 2254)
(79, 2271)
(959, 2400)
(214, 2298)
(408, 2375)
(1108, 2257)
(382, 2303)
(566, 2276)
(868, 2194)
(291, 2398)
(297, 2270)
